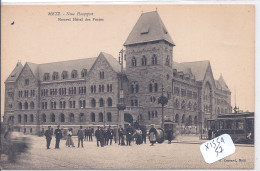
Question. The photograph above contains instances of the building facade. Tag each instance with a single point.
(86, 91)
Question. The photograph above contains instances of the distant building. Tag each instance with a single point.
(86, 91)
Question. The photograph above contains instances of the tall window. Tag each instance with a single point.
(93, 103)
(109, 117)
(46, 76)
(81, 117)
(101, 102)
(93, 117)
(144, 61)
(26, 82)
(52, 117)
(25, 105)
(176, 103)
(100, 117)
(62, 104)
(153, 86)
(177, 118)
(109, 102)
(167, 61)
(154, 60)
(82, 103)
(133, 62)
(134, 87)
(20, 106)
(74, 74)
(43, 118)
(183, 104)
(62, 117)
(25, 118)
(19, 118)
(31, 118)
(101, 75)
(71, 118)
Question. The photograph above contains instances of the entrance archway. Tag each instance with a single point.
(128, 118)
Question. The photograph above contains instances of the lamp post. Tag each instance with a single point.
(121, 104)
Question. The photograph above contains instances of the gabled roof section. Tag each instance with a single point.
(148, 28)
(112, 61)
(15, 73)
(198, 68)
(222, 83)
(34, 69)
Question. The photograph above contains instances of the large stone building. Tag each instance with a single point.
(86, 91)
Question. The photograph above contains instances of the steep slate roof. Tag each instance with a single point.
(15, 73)
(149, 27)
(79, 64)
(198, 68)
(222, 83)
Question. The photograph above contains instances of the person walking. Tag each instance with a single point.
(69, 141)
(152, 135)
(86, 134)
(48, 136)
(169, 133)
(99, 137)
(110, 135)
(138, 136)
(80, 135)
(58, 136)
(144, 133)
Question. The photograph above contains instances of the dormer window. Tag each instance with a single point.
(46, 76)
(145, 29)
(64, 75)
(55, 76)
(84, 73)
(74, 74)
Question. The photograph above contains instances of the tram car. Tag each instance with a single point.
(240, 126)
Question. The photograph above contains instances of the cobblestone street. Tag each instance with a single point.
(180, 154)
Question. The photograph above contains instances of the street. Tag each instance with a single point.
(182, 154)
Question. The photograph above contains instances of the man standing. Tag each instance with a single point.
(86, 134)
(99, 137)
(80, 135)
(48, 136)
(121, 134)
(129, 132)
(58, 136)
(90, 134)
(110, 135)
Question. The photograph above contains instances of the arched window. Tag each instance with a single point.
(143, 61)
(154, 60)
(71, 118)
(189, 105)
(25, 118)
(152, 114)
(84, 73)
(32, 105)
(133, 62)
(20, 106)
(81, 117)
(101, 102)
(55, 76)
(19, 118)
(93, 103)
(109, 117)
(31, 118)
(74, 74)
(25, 105)
(150, 87)
(52, 117)
(100, 117)
(46, 76)
(93, 117)
(155, 87)
(43, 118)
(109, 102)
(183, 119)
(62, 117)
(64, 75)
(177, 118)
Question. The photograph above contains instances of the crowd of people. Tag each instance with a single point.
(106, 136)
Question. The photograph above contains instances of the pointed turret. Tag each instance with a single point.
(148, 28)
(223, 83)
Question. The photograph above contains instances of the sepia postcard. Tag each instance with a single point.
(127, 87)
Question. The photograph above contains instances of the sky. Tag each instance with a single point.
(223, 34)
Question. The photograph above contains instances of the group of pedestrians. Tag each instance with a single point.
(106, 136)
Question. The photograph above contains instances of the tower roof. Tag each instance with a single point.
(15, 73)
(149, 27)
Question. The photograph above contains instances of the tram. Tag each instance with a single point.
(240, 126)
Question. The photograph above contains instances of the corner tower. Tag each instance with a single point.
(149, 59)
